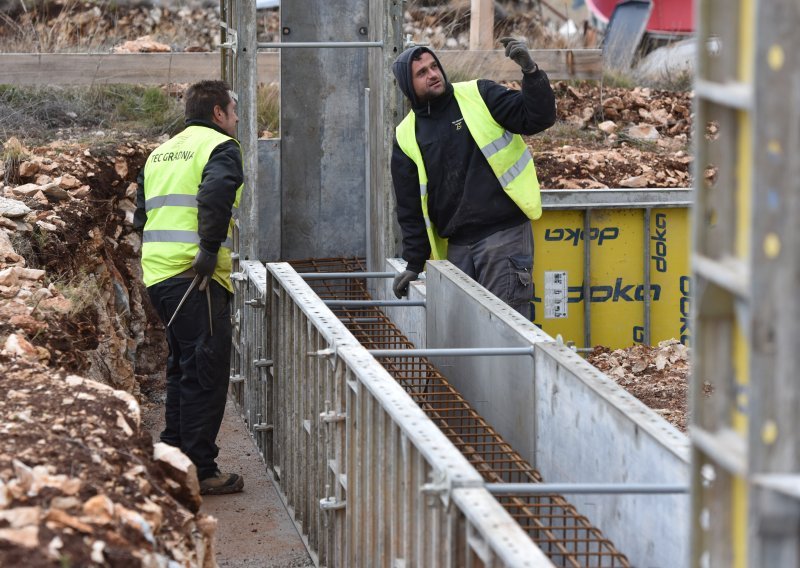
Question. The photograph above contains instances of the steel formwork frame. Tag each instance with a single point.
(320, 176)
(558, 529)
(330, 421)
(371, 463)
(746, 453)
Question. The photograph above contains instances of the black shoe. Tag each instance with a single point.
(221, 484)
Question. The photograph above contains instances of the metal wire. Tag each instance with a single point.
(567, 537)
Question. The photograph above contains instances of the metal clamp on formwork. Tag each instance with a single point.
(331, 503)
(408, 41)
(322, 353)
(260, 363)
(233, 43)
(262, 427)
(255, 303)
(331, 416)
(236, 379)
(440, 487)
(238, 276)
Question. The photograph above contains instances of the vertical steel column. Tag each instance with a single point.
(774, 440)
(647, 276)
(241, 72)
(587, 279)
(385, 110)
(746, 456)
(322, 134)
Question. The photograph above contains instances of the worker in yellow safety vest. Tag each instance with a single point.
(463, 177)
(188, 192)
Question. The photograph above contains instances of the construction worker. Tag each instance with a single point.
(187, 192)
(464, 179)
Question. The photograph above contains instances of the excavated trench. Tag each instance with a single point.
(110, 333)
(567, 537)
(116, 338)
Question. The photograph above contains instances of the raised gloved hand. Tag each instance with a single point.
(401, 282)
(517, 50)
(204, 264)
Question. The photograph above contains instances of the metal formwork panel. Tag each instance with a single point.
(612, 267)
(366, 475)
(555, 525)
(251, 367)
(719, 421)
(746, 456)
(323, 169)
(773, 444)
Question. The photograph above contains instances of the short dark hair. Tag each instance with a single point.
(202, 97)
(417, 55)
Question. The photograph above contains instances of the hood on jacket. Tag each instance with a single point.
(402, 72)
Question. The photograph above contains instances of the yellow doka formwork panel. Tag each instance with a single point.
(617, 275)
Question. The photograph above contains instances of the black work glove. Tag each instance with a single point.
(204, 264)
(517, 50)
(401, 282)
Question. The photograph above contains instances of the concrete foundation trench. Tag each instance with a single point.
(598, 434)
(567, 537)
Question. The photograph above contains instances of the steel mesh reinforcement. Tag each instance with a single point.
(567, 537)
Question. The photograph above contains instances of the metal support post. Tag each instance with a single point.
(584, 488)
(318, 44)
(454, 352)
(374, 303)
(344, 275)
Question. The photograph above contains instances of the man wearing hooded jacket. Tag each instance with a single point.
(464, 180)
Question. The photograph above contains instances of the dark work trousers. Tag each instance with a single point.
(502, 263)
(198, 368)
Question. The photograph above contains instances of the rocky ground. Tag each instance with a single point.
(79, 481)
(656, 375)
(81, 484)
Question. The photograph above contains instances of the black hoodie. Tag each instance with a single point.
(466, 203)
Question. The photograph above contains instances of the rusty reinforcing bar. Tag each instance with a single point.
(567, 537)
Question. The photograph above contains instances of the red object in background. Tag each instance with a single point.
(668, 16)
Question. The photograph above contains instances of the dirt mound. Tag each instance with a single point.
(79, 485)
(615, 138)
(658, 376)
(84, 307)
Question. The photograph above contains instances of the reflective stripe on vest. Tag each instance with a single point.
(173, 173)
(506, 153)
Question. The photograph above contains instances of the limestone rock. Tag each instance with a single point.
(12, 208)
(183, 471)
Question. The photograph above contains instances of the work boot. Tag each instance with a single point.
(221, 484)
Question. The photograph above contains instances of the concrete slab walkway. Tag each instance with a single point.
(254, 530)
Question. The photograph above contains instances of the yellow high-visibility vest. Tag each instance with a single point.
(172, 174)
(507, 154)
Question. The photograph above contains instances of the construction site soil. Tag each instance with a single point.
(79, 483)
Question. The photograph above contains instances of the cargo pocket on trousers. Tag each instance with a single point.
(521, 284)
(204, 359)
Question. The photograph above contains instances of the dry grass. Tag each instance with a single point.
(32, 113)
(268, 109)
